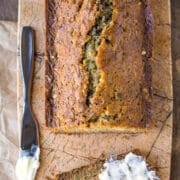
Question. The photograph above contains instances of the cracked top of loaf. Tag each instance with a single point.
(97, 70)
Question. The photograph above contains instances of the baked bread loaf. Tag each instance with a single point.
(118, 167)
(97, 69)
(89, 172)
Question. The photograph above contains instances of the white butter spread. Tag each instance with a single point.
(27, 166)
(133, 167)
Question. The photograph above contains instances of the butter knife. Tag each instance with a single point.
(29, 150)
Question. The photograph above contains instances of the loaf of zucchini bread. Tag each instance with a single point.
(131, 166)
(97, 68)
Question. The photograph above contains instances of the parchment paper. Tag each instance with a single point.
(8, 100)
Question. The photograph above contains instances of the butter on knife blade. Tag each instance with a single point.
(27, 165)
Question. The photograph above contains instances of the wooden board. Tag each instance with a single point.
(60, 152)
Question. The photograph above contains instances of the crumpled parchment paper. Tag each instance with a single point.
(8, 100)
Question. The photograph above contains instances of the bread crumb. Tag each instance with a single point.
(143, 52)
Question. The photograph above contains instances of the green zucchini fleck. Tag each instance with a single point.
(90, 49)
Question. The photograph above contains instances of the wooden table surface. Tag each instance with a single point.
(175, 165)
(8, 11)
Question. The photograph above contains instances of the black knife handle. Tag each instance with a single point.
(29, 131)
(27, 61)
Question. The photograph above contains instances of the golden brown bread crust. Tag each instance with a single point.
(101, 83)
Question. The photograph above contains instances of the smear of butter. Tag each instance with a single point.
(133, 167)
(27, 166)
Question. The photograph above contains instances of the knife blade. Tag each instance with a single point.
(29, 150)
